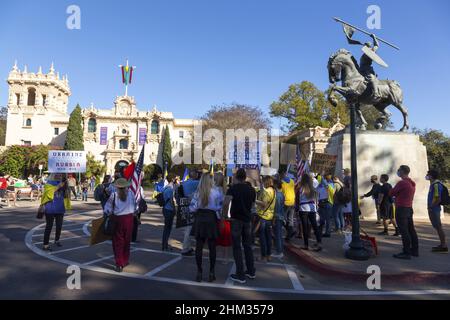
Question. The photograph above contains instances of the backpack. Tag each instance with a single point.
(445, 198)
(344, 195)
(99, 192)
(142, 206)
(160, 199)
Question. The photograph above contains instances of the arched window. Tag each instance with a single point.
(123, 144)
(92, 125)
(31, 97)
(154, 127)
(17, 98)
(28, 122)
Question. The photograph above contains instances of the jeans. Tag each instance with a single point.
(241, 232)
(49, 218)
(338, 215)
(168, 223)
(84, 195)
(265, 237)
(278, 231)
(325, 217)
(289, 213)
(404, 218)
(309, 218)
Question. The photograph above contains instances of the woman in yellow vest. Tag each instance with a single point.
(266, 206)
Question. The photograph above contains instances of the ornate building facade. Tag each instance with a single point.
(37, 114)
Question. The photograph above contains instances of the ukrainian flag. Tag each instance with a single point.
(185, 174)
(211, 168)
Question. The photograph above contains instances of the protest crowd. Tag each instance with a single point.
(240, 213)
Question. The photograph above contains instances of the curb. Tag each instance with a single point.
(325, 270)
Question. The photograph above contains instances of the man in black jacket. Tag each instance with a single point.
(374, 192)
(243, 197)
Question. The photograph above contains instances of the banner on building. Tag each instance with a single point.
(103, 135)
(142, 136)
(323, 163)
(66, 161)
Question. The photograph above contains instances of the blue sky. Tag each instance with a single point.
(191, 54)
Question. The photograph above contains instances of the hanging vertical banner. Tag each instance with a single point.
(142, 136)
(103, 135)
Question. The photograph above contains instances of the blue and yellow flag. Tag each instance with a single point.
(185, 174)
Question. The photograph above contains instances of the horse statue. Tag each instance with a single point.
(359, 90)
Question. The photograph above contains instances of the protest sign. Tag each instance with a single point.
(66, 161)
(323, 163)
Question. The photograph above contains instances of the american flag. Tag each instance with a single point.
(301, 166)
(136, 178)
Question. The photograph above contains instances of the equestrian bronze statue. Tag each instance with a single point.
(359, 82)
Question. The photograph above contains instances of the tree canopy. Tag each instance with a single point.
(438, 150)
(20, 161)
(304, 106)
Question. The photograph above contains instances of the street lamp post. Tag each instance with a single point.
(356, 250)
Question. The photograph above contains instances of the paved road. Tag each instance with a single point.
(29, 273)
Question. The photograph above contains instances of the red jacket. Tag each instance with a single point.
(3, 183)
(404, 193)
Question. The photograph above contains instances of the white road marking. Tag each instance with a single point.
(101, 259)
(63, 239)
(70, 249)
(163, 266)
(64, 230)
(294, 279)
(36, 250)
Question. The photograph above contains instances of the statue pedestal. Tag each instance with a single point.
(382, 152)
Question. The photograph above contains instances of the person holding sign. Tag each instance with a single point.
(55, 200)
(205, 204)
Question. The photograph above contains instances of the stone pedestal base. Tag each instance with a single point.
(382, 152)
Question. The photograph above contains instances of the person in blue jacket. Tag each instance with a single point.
(55, 208)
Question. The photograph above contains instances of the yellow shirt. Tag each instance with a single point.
(268, 197)
(288, 189)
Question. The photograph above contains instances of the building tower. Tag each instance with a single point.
(37, 107)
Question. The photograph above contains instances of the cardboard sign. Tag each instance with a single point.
(184, 217)
(323, 163)
(65, 161)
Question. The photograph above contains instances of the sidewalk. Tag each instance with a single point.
(331, 261)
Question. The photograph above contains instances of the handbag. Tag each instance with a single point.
(108, 225)
(41, 212)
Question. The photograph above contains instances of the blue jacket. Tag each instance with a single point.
(57, 205)
(168, 196)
